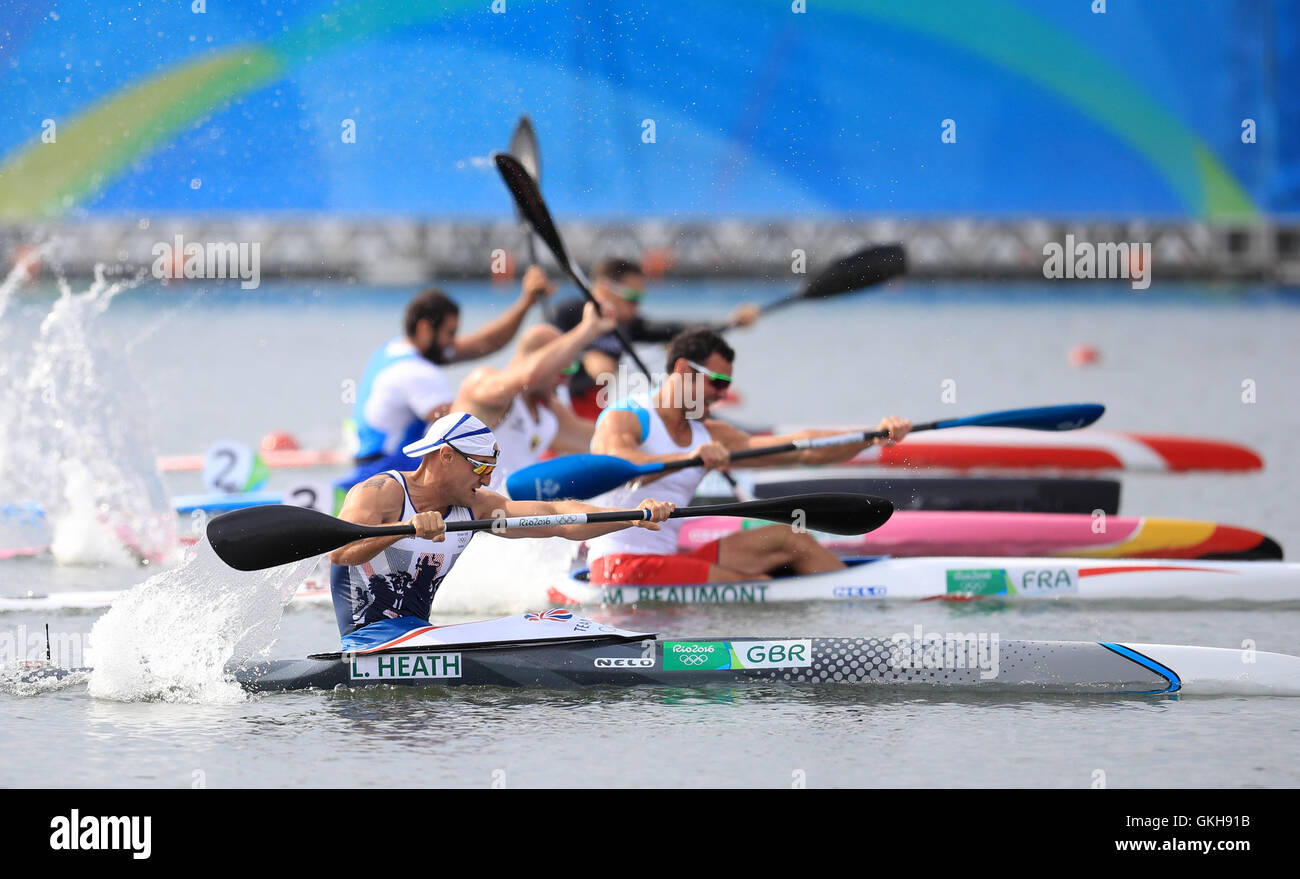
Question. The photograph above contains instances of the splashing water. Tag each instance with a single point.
(172, 637)
(38, 682)
(75, 439)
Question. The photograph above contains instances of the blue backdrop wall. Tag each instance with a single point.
(758, 110)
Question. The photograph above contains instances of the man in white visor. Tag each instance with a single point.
(384, 587)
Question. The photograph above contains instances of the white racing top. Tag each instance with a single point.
(522, 439)
(403, 390)
(677, 487)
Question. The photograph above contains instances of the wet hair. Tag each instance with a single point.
(432, 305)
(616, 269)
(697, 345)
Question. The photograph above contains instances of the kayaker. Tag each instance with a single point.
(619, 286)
(383, 587)
(672, 423)
(519, 401)
(403, 389)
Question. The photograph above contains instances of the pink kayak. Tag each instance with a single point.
(941, 533)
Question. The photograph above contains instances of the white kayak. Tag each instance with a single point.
(965, 578)
(313, 591)
(955, 578)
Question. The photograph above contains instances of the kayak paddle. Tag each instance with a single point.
(256, 538)
(523, 146)
(523, 188)
(870, 266)
(583, 476)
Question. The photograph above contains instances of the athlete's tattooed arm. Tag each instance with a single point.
(377, 501)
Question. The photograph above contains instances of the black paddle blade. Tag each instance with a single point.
(862, 269)
(833, 513)
(523, 146)
(523, 189)
(256, 538)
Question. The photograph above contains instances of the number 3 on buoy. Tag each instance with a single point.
(317, 496)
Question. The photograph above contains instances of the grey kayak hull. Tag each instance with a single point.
(911, 664)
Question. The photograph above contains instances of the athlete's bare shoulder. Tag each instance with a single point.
(372, 501)
(617, 428)
(379, 484)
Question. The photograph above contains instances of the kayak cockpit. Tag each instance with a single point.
(552, 627)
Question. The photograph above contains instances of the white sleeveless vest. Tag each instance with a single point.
(678, 487)
(522, 439)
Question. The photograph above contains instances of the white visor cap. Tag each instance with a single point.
(460, 430)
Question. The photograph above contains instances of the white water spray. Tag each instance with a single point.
(74, 440)
(172, 637)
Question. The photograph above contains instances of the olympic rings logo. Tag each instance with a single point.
(693, 659)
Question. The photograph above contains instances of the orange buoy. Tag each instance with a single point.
(656, 261)
(28, 261)
(1084, 355)
(279, 441)
(1136, 267)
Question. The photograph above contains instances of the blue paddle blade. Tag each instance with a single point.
(573, 476)
(1069, 417)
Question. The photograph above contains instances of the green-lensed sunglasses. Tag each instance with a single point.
(631, 294)
(720, 381)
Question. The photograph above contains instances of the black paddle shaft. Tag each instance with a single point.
(864, 436)
(529, 200)
(256, 538)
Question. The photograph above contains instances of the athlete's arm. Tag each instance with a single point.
(490, 505)
(737, 440)
(573, 434)
(379, 501)
(488, 393)
(618, 433)
(643, 330)
(597, 363)
(497, 333)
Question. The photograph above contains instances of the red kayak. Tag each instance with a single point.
(978, 448)
(935, 533)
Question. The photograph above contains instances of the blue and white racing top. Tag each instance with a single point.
(398, 389)
(402, 580)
